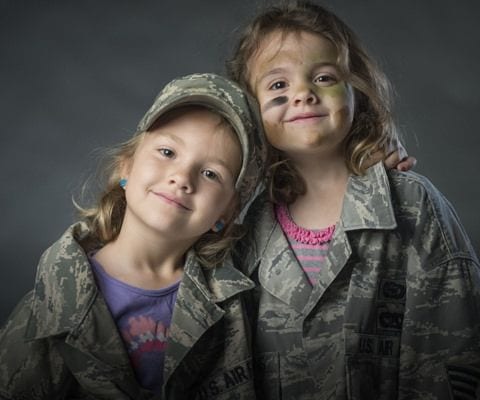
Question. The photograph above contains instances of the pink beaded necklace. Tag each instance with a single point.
(302, 235)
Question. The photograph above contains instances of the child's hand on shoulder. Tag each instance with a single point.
(399, 159)
(396, 158)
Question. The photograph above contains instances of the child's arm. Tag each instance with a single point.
(440, 339)
(441, 336)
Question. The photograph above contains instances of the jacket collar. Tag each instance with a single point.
(197, 306)
(64, 287)
(217, 284)
(367, 204)
(66, 301)
(261, 223)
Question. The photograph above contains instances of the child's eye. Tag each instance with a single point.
(208, 173)
(325, 79)
(166, 152)
(278, 85)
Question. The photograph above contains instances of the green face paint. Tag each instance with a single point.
(337, 90)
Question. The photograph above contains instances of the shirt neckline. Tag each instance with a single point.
(298, 233)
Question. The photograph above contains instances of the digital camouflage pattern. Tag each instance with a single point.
(236, 106)
(395, 314)
(62, 343)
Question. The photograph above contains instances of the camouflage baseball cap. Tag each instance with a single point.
(227, 99)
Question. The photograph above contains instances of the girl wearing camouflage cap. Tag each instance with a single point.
(140, 300)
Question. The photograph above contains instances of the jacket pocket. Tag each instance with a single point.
(371, 377)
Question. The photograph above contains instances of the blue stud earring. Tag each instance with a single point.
(123, 183)
(219, 225)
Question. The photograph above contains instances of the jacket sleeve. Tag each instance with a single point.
(440, 343)
(29, 369)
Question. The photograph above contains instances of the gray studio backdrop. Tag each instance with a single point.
(76, 76)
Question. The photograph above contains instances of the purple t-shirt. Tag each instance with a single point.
(143, 319)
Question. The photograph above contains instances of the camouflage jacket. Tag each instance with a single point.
(62, 343)
(396, 312)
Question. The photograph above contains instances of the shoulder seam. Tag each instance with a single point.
(427, 186)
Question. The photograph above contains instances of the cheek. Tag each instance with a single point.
(228, 204)
(224, 202)
(271, 131)
(342, 103)
(146, 173)
(272, 119)
(340, 94)
(274, 103)
(137, 175)
(343, 118)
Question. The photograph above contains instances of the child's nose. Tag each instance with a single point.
(305, 94)
(183, 179)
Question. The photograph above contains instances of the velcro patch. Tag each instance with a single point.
(464, 381)
(226, 380)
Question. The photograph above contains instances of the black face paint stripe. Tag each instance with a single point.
(277, 101)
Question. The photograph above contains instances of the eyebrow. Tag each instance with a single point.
(216, 160)
(273, 71)
(175, 138)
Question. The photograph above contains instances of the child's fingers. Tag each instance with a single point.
(407, 164)
(393, 159)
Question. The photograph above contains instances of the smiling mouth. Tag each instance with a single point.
(172, 201)
(306, 117)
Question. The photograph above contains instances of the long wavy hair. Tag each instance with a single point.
(373, 128)
(105, 216)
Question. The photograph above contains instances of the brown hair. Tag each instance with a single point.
(104, 218)
(373, 128)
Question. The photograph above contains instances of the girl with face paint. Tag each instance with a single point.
(367, 286)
